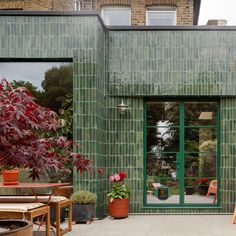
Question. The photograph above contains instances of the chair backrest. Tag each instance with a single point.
(213, 183)
(64, 191)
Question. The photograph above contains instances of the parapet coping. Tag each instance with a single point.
(116, 28)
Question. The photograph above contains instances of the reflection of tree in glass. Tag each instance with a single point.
(207, 158)
(58, 83)
(159, 113)
(200, 113)
(162, 115)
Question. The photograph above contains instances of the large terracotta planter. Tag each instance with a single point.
(10, 177)
(118, 208)
(17, 227)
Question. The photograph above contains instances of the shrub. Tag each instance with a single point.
(83, 197)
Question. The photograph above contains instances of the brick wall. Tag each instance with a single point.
(63, 5)
(138, 8)
(8, 4)
(185, 12)
(35, 5)
(41, 5)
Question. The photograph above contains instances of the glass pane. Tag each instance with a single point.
(199, 171)
(200, 113)
(48, 82)
(200, 140)
(162, 178)
(162, 113)
(161, 18)
(200, 165)
(117, 16)
(162, 139)
(200, 191)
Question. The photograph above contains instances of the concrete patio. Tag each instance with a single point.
(162, 225)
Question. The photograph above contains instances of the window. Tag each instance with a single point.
(161, 16)
(116, 15)
(48, 82)
(78, 5)
(182, 153)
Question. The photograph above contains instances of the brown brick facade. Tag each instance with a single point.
(185, 8)
(9, 4)
(38, 5)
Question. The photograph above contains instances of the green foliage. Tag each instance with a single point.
(66, 117)
(119, 190)
(83, 197)
(58, 83)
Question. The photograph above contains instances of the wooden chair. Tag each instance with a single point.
(212, 188)
(26, 211)
(234, 215)
(56, 202)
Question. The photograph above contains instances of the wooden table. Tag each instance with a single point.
(34, 186)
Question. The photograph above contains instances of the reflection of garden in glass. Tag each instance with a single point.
(186, 131)
(162, 113)
(48, 82)
(51, 84)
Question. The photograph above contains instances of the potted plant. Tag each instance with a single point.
(28, 136)
(83, 208)
(118, 197)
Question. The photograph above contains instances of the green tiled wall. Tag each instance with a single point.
(131, 65)
(174, 62)
(181, 63)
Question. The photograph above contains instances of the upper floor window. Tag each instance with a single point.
(161, 16)
(116, 15)
(78, 4)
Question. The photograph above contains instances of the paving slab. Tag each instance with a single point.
(162, 225)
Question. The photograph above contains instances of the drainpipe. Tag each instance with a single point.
(91, 5)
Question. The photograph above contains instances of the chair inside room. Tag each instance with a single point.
(212, 189)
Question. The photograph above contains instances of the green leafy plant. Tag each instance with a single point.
(83, 197)
(119, 190)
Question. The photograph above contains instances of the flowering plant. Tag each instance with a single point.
(119, 190)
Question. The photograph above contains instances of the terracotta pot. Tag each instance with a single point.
(118, 208)
(14, 227)
(11, 177)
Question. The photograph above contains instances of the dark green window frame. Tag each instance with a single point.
(183, 152)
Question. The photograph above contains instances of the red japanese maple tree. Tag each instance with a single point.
(23, 144)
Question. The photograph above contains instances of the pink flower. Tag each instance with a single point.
(111, 178)
(117, 177)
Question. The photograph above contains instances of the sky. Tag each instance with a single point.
(218, 9)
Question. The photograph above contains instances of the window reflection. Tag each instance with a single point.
(200, 113)
(162, 113)
(49, 82)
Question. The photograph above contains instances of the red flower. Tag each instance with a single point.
(122, 176)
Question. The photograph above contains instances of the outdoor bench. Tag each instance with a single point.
(56, 202)
(26, 211)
